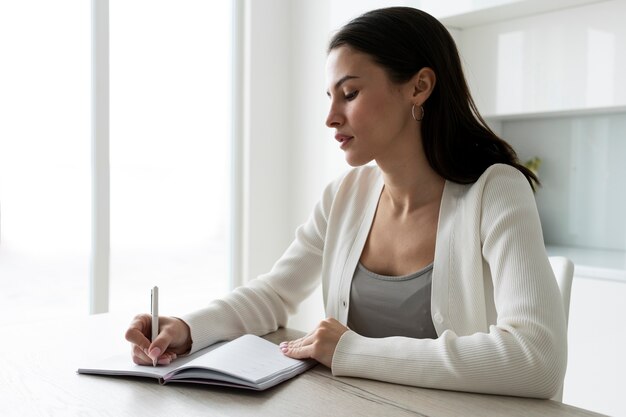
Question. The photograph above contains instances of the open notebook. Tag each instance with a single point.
(246, 362)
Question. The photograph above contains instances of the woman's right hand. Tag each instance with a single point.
(174, 339)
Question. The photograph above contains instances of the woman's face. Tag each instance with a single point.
(371, 115)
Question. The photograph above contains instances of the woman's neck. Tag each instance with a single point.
(410, 182)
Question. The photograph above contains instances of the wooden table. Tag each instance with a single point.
(38, 378)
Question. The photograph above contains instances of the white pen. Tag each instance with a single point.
(154, 309)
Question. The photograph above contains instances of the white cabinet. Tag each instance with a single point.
(564, 60)
(596, 363)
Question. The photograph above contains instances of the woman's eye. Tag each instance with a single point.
(351, 96)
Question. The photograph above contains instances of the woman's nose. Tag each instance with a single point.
(334, 118)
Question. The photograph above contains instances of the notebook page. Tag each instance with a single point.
(249, 357)
(122, 364)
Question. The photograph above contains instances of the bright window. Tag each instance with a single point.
(170, 144)
(170, 140)
(44, 158)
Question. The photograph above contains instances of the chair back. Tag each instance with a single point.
(564, 273)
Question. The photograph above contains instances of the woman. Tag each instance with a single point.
(432, 263)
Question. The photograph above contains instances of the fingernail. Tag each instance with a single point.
(283, 344)
(154, 353)
(164, 361)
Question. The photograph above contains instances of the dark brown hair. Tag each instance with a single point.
(457, 142)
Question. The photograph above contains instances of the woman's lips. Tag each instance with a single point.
(343, 139)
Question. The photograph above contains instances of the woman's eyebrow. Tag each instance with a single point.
(341, 81)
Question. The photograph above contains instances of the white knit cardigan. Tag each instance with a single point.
(495, 303)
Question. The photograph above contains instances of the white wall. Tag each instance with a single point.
(267, 151)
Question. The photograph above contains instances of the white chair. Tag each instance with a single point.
(564, 272)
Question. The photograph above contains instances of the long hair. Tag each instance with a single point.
(457, 141)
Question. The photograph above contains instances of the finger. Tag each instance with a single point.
(294, 343)
(166, 358)
(299, 346)
(306, 339)
(159, 346)
(297, 352)
(140, 356)
(137, 331)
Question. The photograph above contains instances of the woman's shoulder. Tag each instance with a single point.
(499, 182)
(502, 173)
(501, 176)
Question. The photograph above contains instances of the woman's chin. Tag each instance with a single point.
(354, 161)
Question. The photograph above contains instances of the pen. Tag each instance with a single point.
(154, 309)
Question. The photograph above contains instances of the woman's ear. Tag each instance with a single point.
(423, 83)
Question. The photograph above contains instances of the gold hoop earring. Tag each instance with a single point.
(413, 113)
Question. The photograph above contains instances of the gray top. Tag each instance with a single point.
(383, 306)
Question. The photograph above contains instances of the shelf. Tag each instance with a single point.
(509, 9)
(590, 111)
(594, 263)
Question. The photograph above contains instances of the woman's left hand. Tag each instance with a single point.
(320, 344)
